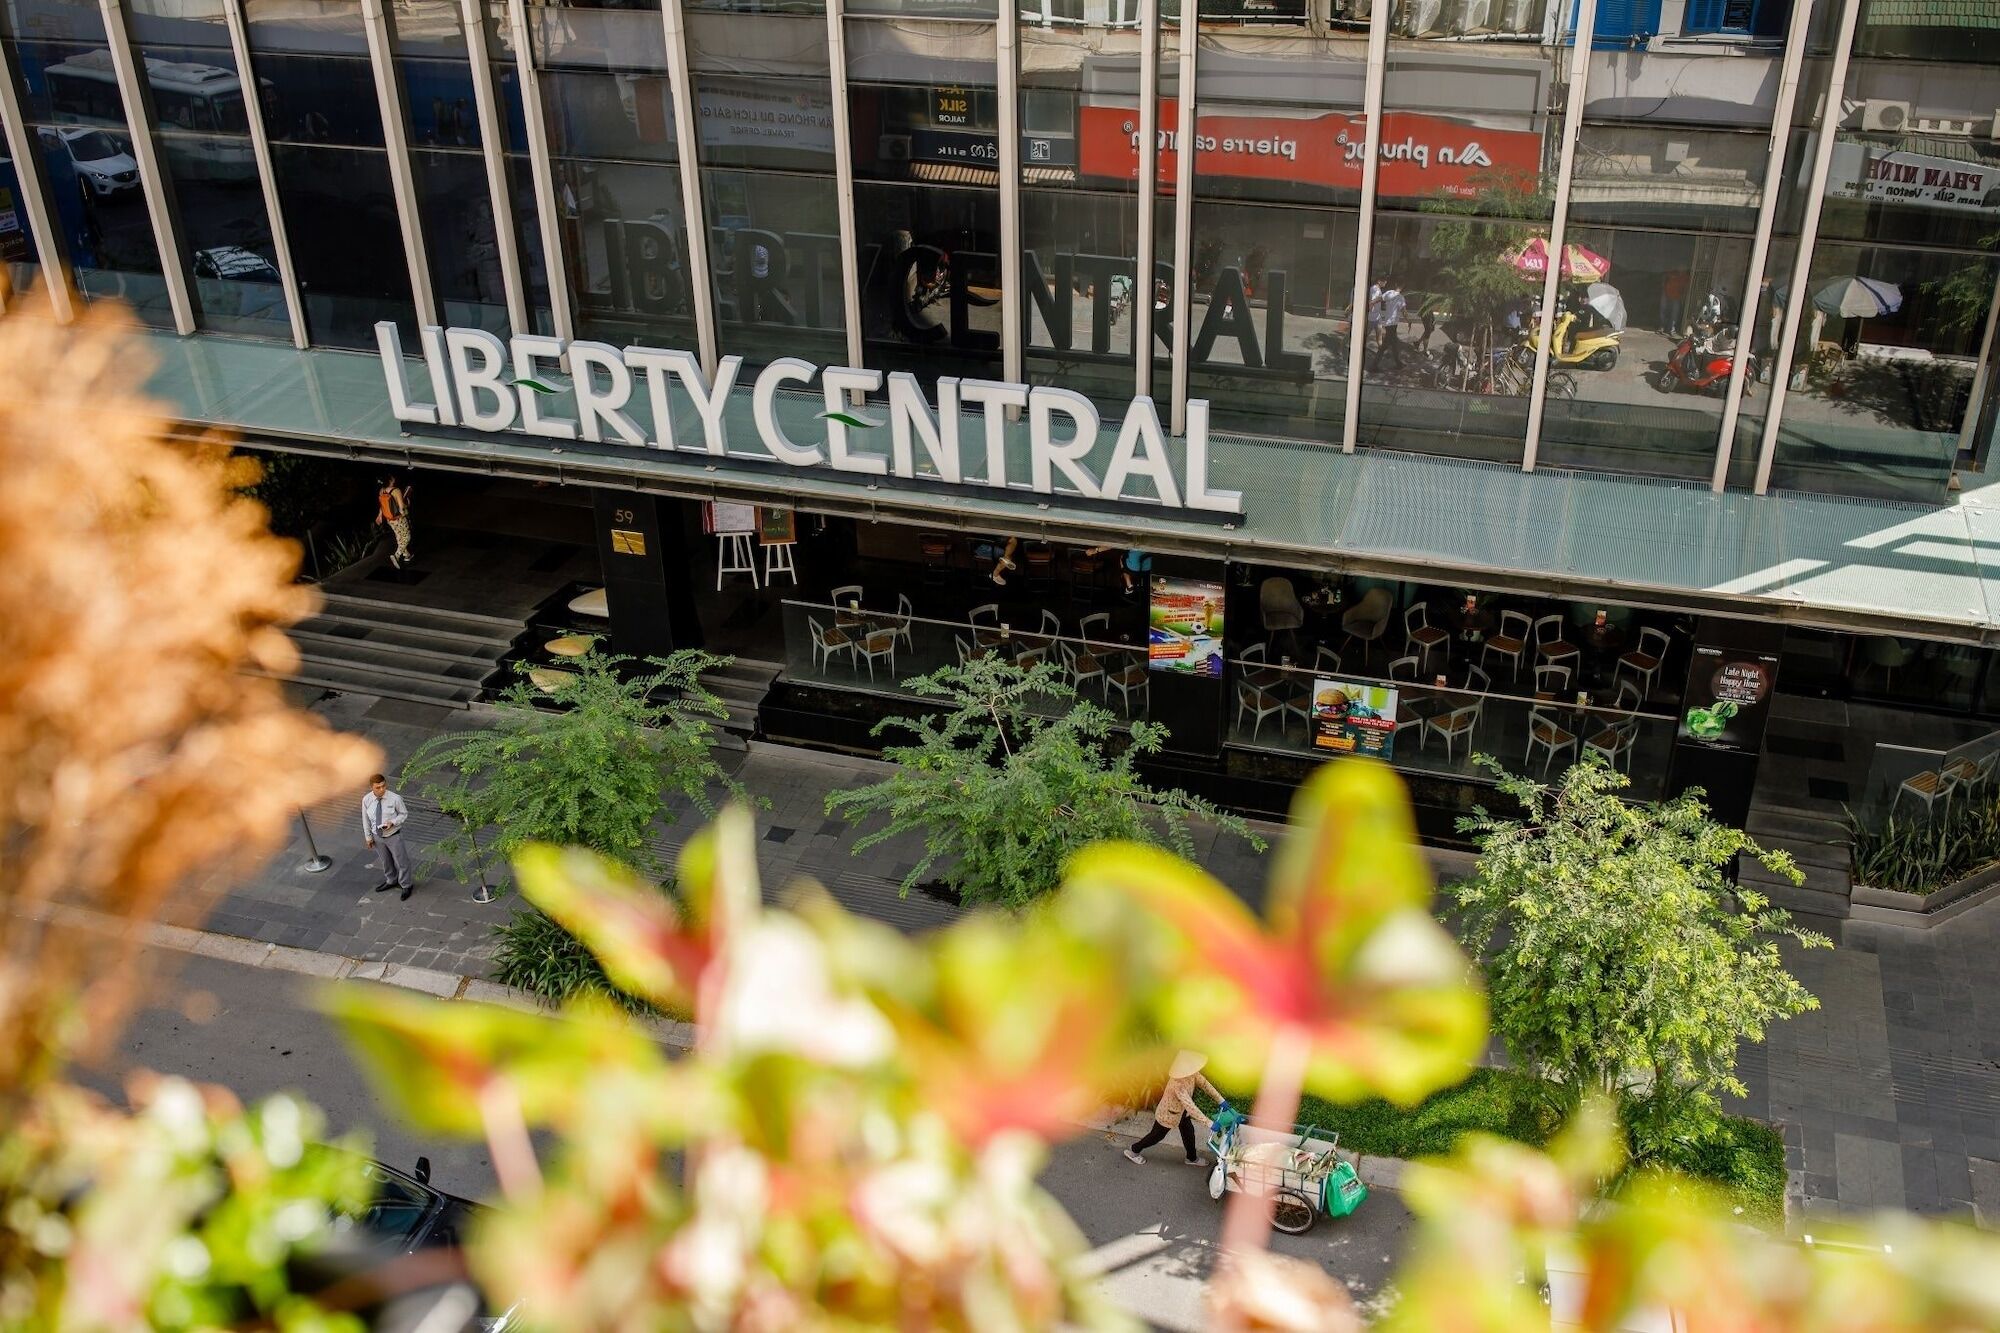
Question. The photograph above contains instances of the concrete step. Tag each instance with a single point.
(1826, 892)
(360, 680)
(400, 662)
(368, 608)
(332, 637)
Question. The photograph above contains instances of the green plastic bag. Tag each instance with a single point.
(1341, 1191)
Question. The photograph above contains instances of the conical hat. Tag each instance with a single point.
(1186, 1063)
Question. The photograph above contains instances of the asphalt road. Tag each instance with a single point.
(1153, 1227)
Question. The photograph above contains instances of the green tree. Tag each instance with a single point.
(1619, 957)
(588, 765)
(1475, 248)
(1014, 776)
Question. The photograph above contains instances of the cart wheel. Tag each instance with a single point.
(1294, 1214)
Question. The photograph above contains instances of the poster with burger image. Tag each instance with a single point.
(1728, 698)
(1349, 717)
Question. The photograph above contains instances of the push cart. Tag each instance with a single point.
(1301, 1173)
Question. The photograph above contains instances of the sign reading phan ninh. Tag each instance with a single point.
(478, 382)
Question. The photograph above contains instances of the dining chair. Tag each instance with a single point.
(1929, 787)
(899, 624)
(1645, 660)
(1130, 679)
(1404, 669)
(1422, 637)
(1511, 642)
(1051, 623)
(878, 646)
(1453, 726)
(846, 593)
(1095, 627)
(1552, 680)
(1366, 620)
(966, 651)
(1478, 681)
(934, 549)
(1252, 701)
(1629, 699)
(1326, 660)
(1614, 743)
(986, 613)
(827, 642)
(1551, 648)
(1082, 666)
(1545, 731)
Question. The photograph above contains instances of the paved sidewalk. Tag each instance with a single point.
(1888, 1095)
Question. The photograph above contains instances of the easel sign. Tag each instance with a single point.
(733, 517)
(777, 526)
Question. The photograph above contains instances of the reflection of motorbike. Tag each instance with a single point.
(1591, 348)
(1702, 361)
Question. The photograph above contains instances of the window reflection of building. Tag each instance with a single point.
(764, 105)
(69, 94)
(332, 173)
(924, 118)
(201, 118)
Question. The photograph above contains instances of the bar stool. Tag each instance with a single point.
(778, 560)
(734, 555)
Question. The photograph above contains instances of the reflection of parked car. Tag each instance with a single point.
(103, 168)
(234, 264)
(239, 283)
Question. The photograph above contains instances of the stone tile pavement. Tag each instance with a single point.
(1888, 1095)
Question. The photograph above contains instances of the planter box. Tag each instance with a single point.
(1918, 911)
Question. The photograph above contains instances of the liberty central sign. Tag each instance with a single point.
(478, 382)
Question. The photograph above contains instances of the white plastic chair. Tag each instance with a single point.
(1422, 637)
(879, 646)
(827, 642)
(1251, 700)
(1545, 731)
(1082, 666)
(1551, 648)
(1511, 642)
(1130, 679)
(1645, 660)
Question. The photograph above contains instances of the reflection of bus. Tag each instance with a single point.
(195, 98)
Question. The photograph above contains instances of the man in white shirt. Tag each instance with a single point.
(383, 815)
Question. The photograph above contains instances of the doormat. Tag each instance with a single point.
(1801, 747)
(1827, 789)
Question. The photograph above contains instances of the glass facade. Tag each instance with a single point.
(1686, 174)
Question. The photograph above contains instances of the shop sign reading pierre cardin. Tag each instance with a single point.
(481, 383)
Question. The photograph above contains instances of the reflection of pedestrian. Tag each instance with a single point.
(1386, 315)
(1177, 1109)
(1673, 302)
(392, 505)
(383, 815)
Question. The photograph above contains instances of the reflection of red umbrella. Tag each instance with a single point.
(1579, 264)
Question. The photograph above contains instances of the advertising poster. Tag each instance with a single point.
(1728, 698)
(1349, 717)
(1186, 627)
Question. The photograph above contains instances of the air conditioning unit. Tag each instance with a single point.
(1471, 16)
(893, 148)
(1420, 17)
(1519, 15)
(1881, 113)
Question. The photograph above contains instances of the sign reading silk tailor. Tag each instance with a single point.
(481, 383)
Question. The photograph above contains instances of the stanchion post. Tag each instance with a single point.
(315, 862)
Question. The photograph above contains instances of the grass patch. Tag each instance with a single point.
(538, 956)
(1743, 1158)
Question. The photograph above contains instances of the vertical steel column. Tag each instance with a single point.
(1579, 87)
(1184, 148)
(493, 150)
(542, 171)
(1797, 298)
(136, 95)
(396, 141)
(1979, 371)
(1013, 301)
(26, 150)
(843, 178)
(700, 282)
(1149, 190)
(1364, 224)
(1760, 244)
(267, 176)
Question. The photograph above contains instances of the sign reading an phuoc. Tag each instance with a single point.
(481, 383)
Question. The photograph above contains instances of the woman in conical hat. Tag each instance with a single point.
(1177, 1107)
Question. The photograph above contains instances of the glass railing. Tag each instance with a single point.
(862, 647)
(1437, 727)
(1914, 783)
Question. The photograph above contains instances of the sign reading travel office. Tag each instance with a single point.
(478, 382)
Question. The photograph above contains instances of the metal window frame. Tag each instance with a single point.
(1797, 297)
(21, 141)
(694, 209)
(542, 171)
(843, 180)
(1149, 191)
(153, 184)
(1013, 300)
(267, 172)
(1184, 161)
(1760, 242)
(1558, 241)
(1364, 225)
(396, 141)
(493, 151)
(1980, 372)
